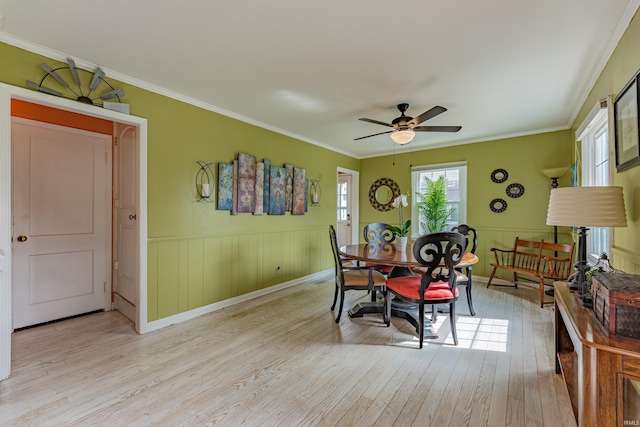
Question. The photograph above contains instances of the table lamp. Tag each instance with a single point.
(585, 207)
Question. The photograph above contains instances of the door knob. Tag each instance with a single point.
(132, 217)
(22, 238)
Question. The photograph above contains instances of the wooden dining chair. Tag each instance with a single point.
(464, 279)
(439, 253)
(353, 277)
(379, 234)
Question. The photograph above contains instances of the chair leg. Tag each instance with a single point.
(515, 280)
(387, 308)
(491, 276)
(341, 304)
(421, 322)
(469, 299)
(335, 298)
(434, 313)
(452, 321)
(541, 293)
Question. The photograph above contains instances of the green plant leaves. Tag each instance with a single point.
(401, 232)
(432, 206)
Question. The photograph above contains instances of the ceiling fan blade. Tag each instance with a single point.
(427, 115)
(375, 134)
(377, 122)
(97, 75)
(437, 128)
(74, 71)
(116, 93)
(36, 86)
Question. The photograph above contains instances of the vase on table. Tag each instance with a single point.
(401, 243)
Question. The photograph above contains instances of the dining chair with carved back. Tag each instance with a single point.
(378, 233)
(439, 253)
(464, 279)
(353, 277)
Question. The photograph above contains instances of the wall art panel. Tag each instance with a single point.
(246, 182)
(234, 204)
(225, 186)
(265, 189)
(288, 188)
(277, 193)
(298, 197)
(258, 208)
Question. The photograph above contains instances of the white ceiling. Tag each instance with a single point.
(311, 68)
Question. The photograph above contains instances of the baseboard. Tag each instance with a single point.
(196, 312)
(495, 281)
(124, 307)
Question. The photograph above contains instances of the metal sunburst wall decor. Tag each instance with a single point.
(87, 87)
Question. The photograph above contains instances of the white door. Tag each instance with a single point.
(126, 222)
(61, 222)
(344, 210)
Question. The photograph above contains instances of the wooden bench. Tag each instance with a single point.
(537, 261)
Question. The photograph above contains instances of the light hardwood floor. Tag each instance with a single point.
(282, 360)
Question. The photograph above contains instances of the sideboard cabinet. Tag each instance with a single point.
(602, 373)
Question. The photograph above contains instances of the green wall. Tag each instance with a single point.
(523, 158)
(196, 254)
(622, 65)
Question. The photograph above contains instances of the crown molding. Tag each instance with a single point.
(80, 63)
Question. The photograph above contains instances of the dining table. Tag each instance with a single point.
(402, 262)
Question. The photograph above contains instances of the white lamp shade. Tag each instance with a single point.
(587, 207)
(403, 136)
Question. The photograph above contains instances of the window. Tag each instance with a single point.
(456, 177)
(596, 170)
(342, 201)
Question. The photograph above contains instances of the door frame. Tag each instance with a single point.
(7, 93)
(354, 201)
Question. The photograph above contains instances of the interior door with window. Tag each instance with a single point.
(344, 210)
(61, 225)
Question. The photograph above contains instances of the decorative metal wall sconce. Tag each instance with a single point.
(204, 181)
(314, 192)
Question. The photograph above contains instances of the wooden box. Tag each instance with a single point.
(616, 303)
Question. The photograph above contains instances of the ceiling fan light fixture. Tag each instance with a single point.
(403, 136)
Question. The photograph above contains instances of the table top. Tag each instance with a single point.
(587, 329)
(389, 255)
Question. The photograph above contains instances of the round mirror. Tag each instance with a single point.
(515, 190)
(499, 175)
(498, 205)
(382, 192)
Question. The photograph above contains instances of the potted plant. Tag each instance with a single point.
(432, 206)
(401, 232)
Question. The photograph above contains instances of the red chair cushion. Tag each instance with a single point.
(409, 287)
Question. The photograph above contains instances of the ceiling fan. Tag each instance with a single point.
(405, 127)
